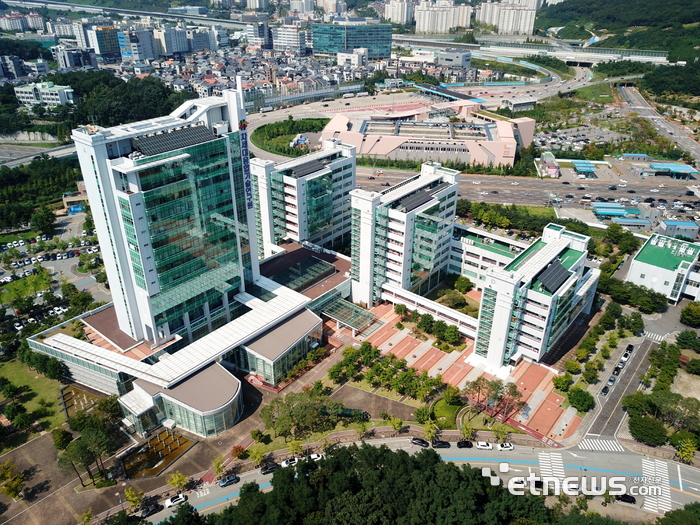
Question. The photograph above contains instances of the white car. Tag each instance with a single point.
(316, 457)
(483, 445)
(476, 182)
(623, 180)
(654, 190)
(483, 193)
(289, 462)
(515, 184)
(175, 500)
(660, 186)
(505, 446)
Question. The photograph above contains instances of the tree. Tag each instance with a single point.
(401, 310)
(451, 395)
(563, 382)
(501, 434)
(452, 335)
(257, 436)
(362, 428)
(430, 431)
(99, 441)
(42, 221)
(295, 447)
(590, 374)
(11, 483)
(581, 400)
(476, 388)
(573, 367)
(686, 451)
(22, 421)
(426, 323)
(256, 454)
(237, 451)
(648, 430)
(86, 517)
(133, 497)
(217, 465)
(110, 408)
(467, 430)
(463, 284)
(55, 370)
(396, 423)
(61, 438)
(439, 329)
(177, 480)
(690, 314)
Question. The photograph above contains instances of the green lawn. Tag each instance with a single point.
(596, 93)
(476, 420)
(539, 211)
(38, 389)
(446, 415)
(389, 394)
(24, 287)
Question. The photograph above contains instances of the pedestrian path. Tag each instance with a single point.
(551, 465)
(603, 445)
(655, 474)
(654, 337)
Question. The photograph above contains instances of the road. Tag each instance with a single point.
(679, 484)
(674, 132)
(611, 414)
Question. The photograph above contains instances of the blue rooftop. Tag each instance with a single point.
(635, 155)
(674, 168)
(680, 223)
(631, 221)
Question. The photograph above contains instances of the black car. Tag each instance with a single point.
(566, 182)
(441, 444)
(420, 442)
(626, 498)
(568, 196)
(631, 191)
(613, 188)
(150, 511)
(52, 257)
(494, 191)
(464, 444)
(269, 468)
(629, 348)
(580, 188)
(605, 391)
(616, 371)
(690, 193)
(649, 199)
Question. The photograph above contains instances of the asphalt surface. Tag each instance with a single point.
(627, 383)
(682, 481)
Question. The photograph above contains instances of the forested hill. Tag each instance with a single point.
(672, 25)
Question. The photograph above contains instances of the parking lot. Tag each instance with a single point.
(575, 139)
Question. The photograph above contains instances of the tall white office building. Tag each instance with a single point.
(305, 199)
(530, 303)
(510, 18)
(399, 11)
(289, 38)
(402, 235)
(258, 5)
(441, 16)
(170, 204)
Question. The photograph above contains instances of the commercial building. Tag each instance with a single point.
(104, 41)
(12, 66)
(549, 167)
(402, 235)
(668, 266)
(305, 199)
(517, 104)
(674, 170)
(289, 38)
(37, 68)
(455, 58)
(257, 5)
(530, 303)
(441, 16)
(44, 94)
(69, 58)
(259, 35)
(136, 46)
(170, 41)
(353, 57)
(330, 39)
(399, 12)
(414, 135)
(688, 229)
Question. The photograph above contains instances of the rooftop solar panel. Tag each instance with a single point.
(413, 201)
(172, 140)
(307, 168)
(554, 276)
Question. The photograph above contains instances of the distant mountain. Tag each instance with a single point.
(672, 25)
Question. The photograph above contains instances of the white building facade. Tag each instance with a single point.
(44, 94)
(399, 12)
(441, 16)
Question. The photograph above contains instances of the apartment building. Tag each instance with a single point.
(136, 46)
(44, 94)
(399, 12)
(441, 16)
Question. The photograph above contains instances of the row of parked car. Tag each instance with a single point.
(481, 445)
(616, 371)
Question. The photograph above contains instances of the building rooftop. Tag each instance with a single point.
(667, 253)
(680, 223)
(189, 391)
(275, 341)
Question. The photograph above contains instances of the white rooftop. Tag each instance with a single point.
(173, 368)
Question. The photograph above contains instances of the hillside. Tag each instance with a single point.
(672, 25)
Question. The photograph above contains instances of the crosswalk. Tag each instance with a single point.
(657, 471)
(654, 337)
(604, 445)
(551, 465)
